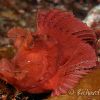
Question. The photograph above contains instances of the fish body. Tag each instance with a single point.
(55, 58)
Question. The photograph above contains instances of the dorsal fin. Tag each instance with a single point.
(56, 22)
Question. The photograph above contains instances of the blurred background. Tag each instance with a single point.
(22, 13)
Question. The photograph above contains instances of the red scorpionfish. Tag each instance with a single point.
(54, 57)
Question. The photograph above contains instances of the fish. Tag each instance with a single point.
(54, 57)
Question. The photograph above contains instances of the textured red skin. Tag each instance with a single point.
(55, 59)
